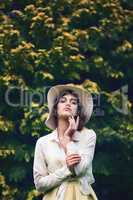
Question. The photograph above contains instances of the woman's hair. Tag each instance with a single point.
(80, 112)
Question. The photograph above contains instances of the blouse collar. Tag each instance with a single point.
(76, 136)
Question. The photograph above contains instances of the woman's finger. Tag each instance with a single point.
(73, 124)
(73, 159)
(73, 162)
(71, 121)
(77, 122)
(73, 155)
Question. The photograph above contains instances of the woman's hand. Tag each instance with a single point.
(67, 137)
(72, 160)
(73, 126)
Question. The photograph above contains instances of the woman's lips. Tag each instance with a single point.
(67, 109)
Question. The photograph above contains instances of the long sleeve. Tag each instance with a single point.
(43, 180)
(86, 151)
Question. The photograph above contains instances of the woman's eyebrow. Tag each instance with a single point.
(62, 97)
(75, 99)
(72, 98)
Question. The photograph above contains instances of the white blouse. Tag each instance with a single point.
(50, 169)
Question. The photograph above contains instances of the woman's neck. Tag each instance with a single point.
(62, 127)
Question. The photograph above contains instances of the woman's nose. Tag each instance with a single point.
(68, 103)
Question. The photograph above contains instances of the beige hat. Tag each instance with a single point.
(84, 97)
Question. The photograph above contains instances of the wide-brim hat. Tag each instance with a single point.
(85, 98)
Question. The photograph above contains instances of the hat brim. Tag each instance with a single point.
(85, 98)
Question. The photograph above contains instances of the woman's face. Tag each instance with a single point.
(67, 106)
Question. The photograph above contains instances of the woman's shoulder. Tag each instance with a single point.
(88, 132)
(45, 138)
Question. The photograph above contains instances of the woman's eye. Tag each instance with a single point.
(62, 100)
(74, 102)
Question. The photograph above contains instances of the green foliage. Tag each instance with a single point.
(43, 43)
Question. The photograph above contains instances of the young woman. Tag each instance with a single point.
(63, 159)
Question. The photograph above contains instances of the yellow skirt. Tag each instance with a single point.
(72, 193)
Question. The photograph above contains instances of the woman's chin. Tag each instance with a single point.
(65, 115)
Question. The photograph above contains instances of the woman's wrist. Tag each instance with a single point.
(67, 138)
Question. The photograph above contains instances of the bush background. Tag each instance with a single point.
(85, 42)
